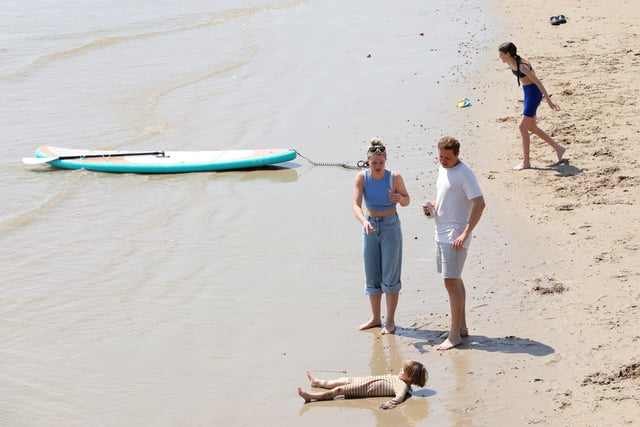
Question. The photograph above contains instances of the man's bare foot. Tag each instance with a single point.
(560, 152)
(373, 323)
(521, 166)
(389, 329)
(303, 394)
(449, 343)
(463, 333)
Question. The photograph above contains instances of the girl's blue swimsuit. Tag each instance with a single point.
(532, 99)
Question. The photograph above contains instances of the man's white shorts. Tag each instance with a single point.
(450, 261)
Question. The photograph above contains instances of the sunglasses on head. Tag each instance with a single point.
(377, 149)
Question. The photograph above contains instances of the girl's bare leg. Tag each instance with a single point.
(529, 125)
(546, 138)
(328, 384)
(525, 125)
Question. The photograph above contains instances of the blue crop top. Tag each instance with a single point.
(376, 192)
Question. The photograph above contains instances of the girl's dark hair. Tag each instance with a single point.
(511, 49)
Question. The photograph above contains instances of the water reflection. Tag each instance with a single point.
(386, 358)
(274, 173)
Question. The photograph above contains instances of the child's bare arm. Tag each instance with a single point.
(400, 395)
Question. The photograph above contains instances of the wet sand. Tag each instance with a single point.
(558, 244)
(212, 294)
(551, 277)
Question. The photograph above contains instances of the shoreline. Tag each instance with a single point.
(559, 240)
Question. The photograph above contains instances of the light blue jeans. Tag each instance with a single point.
(382, 253)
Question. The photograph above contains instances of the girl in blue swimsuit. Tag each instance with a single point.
(534, 92)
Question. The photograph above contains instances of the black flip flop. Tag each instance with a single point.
(562, 19)
(555, 20)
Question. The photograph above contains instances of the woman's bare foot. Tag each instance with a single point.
(560, 152)
(313, 381)
(373, 323)
(389, 329)
(521, 166)
(303, 394)
(449, 343)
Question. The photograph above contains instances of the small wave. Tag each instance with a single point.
(174, 25)
(26, 216)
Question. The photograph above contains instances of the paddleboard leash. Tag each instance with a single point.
(360, 165)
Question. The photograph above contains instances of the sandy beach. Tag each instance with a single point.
(552, 272)
(561, 240)
(202, 299)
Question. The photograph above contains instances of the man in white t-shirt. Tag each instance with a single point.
(458, 207)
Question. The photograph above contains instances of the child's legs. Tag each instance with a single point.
(323, 395)
(328, 384)
(331, 384)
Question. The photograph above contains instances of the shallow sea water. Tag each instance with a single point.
(202, 299)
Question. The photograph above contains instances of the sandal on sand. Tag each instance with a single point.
(557, 20)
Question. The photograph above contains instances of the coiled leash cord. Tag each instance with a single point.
(360, 165)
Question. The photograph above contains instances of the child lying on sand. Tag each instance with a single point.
(375, 386)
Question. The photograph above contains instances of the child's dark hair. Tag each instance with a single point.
(416, 371)
(511, 49)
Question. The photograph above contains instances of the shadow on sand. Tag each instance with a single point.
(508, 344)
(562, 168)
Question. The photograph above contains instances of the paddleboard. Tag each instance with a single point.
(159, 161)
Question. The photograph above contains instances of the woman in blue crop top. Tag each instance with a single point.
(381, 191)
(534, 92)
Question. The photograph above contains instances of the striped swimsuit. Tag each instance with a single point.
(376, 386)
